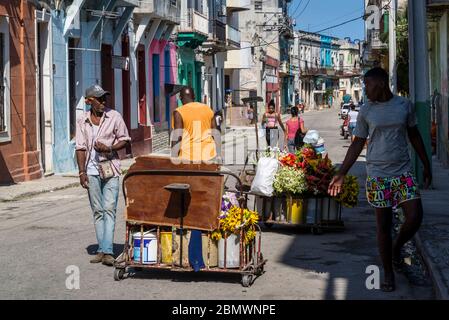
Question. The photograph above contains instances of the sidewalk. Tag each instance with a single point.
(47, 184)
(432, 239)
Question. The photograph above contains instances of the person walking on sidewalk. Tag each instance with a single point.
(100, 133)
(194, 128)
(269, 121)
(388, 120)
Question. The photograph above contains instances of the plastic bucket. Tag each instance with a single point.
(330, 210)
(166, 247)
(296, 211)
(313, 210)
(149, 255)
(232, 252)
(271, 206)
(171, 251)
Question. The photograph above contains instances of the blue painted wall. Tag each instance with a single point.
(326, 59)
(63, 148)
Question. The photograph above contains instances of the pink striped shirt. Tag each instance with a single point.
(112, 130)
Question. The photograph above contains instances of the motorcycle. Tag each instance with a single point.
(344, 128)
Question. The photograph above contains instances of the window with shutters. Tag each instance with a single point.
(5, 130)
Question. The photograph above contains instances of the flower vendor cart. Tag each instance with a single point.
(173, 209)
(300, 194)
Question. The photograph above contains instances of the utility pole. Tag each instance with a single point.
(419, 77)
(392, 44)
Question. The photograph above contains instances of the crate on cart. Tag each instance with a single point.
(173, 199)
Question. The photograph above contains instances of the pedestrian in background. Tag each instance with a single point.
(270, 120)
(292, 125)
(388, 120)
(352, 117)
(100, 133)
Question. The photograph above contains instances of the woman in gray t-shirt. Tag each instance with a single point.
(388, 121)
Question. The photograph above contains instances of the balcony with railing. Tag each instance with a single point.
(238, 5)
(167, 10)
(196, 22)
(233, 36)
(193, 29)
(218, 31)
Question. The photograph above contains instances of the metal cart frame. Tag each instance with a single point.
(319, 225)
(251, 258)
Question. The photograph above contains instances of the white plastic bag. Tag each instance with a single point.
(263, 181)
(312, 137)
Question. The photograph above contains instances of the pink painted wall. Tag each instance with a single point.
(158, 47)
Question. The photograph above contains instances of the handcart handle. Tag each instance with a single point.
(177, 172)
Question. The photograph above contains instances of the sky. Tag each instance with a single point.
(315, 15)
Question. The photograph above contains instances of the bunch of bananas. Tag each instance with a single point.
(350, 192)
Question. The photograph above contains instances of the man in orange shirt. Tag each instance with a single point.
(195, 129)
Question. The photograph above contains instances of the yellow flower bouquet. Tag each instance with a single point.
(348, 197)
(234, 220)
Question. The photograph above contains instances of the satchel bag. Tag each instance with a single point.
(105, 169)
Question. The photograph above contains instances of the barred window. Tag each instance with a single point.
(258, 5)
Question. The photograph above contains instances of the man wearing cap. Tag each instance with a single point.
(100, 133)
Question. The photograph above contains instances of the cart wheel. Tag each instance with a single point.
(247, 280)
(119, 273)
(317, 231)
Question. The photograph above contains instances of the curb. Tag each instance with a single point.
(34, 193)
(439, 286)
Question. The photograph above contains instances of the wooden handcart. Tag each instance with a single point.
(161, 195)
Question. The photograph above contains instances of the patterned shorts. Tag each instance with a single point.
(392, 191)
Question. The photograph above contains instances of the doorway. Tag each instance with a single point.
(107, 73)
(45, 96)
(142, 85)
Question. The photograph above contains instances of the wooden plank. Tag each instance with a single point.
(148, 202)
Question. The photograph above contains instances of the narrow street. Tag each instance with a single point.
(41, 236)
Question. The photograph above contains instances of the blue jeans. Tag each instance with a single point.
(291, 145)
(103, 197)
(351, 128)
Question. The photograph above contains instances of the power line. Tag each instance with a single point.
(297, 7)
(331, 27)
(308, 2)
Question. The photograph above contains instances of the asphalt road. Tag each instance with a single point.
(43, 235)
